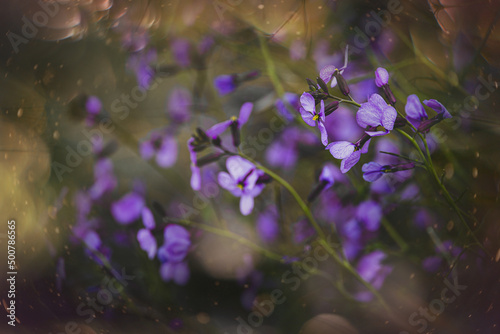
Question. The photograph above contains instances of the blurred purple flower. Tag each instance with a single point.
(148, 219)
(302, 230)
(241, 182)
(104, 179)
(310, 116)
(284, 151)
(298, 50)
(432, 263)
(128, 208)
(178, 272)
(234, 123)
(289, 100)
(147, 242)
(161, 144)
(176, 244)
(179, 105)
(225, 84)
(140, 64)
(93, 106)
(376, 112)
(181, 50)
(267, 225)
(370, 214)
(372, 270)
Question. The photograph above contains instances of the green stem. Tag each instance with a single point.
(271, 70)
(395, 235)
(322, 238)
(227, 234)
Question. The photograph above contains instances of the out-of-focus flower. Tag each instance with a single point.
(93, 106)
(227, 83)
(128, 208)
(234, 123)
(181, 50)
(179, 105)
(376, 112)
(147, 242)
(302, 230)
(326, 180)
(176, 245)
(105, 180)
(416, 115)
(373, 271)
(372, 171)
(140, 64)
(241, 181)
(297, 50)
(370, 214)
(162, 145)
(148, 219)
(175, 271)
(289, 101)
(267, 225)
(310, 116)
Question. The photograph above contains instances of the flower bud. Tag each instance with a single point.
(331, 107)
(381, 77)
(343, 86)
(322, 84)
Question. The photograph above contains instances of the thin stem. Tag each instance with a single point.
(395, 235)
(227, 234)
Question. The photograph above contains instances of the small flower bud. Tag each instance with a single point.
(235, 132)
(343, 86)
(207, 159)
(322, 84)
(390, 96)
(312, 85)
(381, 77)
(400, 122)
(331, 107)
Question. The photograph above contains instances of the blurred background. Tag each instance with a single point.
(54, 52)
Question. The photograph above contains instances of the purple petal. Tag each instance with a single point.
(174, 231)
(246, 204)
(175, 250)
(364, 149)
(341, 149)
(381, 77)
(377, 133)
(238, 167)
(93, 105)
(372, 171)
(432, 263)
(368, 115)
(437, 107)
(414, 109)
(148, 219)
(167, 154)
(195, 177)
(307, 102)
(267, 225)
(178, 272)
(245, 111)
(370, 214)
(307, 117)
(218, 128)
(128, 208)
(179, 105)
(225, 84)
(147, 150)
(350, 161)
(326, 73)
(92, 240)
(147, 242)
(181, 50)
(322, 131)
(226, 181)
(389, 115)
(327, 174)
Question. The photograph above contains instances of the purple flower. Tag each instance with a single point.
(148, 219)
(302, 230)
(372, 171)
(349, 152)
(181, 50)
(328, 72)
(438, 107)
(241, 182)
(178, 272)
(128, 208)
(267, 225)
(179, 105)
(147, 242)
(140, 64)
(372, 270)
(415, 112)
(234, 123)
(381, 77)
(289, 100)
(432, 263)
(370, 214)
(225, 84)
(176, 245)
(105, 180)
(284, 151)
(163, 146)
(310, 116)
(93, 106)
(326, 180)
(376, 112)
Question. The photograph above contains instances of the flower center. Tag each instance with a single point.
(240, 185)
(315, 117)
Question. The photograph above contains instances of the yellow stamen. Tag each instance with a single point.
(315, 117)
(234, 118)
